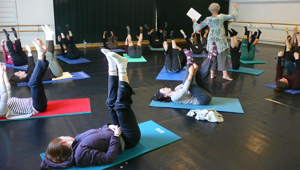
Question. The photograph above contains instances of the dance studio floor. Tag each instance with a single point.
(266, 136)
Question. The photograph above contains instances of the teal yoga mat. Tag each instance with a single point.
(134, 60)
(221, 104)
(155, 49)
(254, 61)
(246, 70)
(153, 136)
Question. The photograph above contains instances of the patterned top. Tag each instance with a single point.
(216, 30)
(21, 106)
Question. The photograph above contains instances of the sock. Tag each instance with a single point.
(259, 32)
(231, 34)
(68, 27)
(49, 32)
(234, 32)
(165, 35)
(14, 31)
(182, 32)
(128, 29)
(147, 27)
(172, 35)
(120, 61)
(189, 57)
(141, 29)
(6, 34)
(46, 32)
(112, 66)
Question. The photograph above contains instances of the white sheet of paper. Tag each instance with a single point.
(193, 14)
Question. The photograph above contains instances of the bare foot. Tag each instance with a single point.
(213, 76)
(227, 78)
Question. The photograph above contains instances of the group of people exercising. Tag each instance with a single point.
(101, 146)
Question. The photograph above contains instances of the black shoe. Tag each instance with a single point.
(165, 35)
(14, 31)
(172, 35)
(234, 31)
(59, 30)
(68, 27)
(6, 34)
(146, 26)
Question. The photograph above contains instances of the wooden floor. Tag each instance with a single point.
(265, 137)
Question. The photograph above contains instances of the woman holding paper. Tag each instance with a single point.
(54, 69)
(217, 35)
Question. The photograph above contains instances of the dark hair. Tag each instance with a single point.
(56, 152)
(281, 86)
(158, 96)
(15, 79)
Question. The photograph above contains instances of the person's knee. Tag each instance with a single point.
(206, 99)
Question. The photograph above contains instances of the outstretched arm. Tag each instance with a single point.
(177, 96)
(197, 27)
(233, 15)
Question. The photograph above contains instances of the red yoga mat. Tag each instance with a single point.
(61, 108)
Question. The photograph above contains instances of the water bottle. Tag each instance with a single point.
(84, 44)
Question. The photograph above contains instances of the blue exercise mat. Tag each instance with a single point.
(76, 61)
(155, 49)
(153, 136)
(134, 60)
(118, 50)
(221, 104)
(17, 67)
(288, 91)
(256, 50)
(202, 55)
(164, 75)
(76, 76)
(254, 61)
(246, 70)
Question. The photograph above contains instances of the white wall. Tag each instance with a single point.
(269, 11)
(27, 12)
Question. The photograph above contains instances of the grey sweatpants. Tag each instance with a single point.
(220, 62)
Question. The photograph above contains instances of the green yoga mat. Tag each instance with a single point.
(254, 61)
(245, 70)
(155, 49)
(134, 60)
(153, 136)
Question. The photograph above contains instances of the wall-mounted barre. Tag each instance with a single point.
(38, 28)
(272, 24)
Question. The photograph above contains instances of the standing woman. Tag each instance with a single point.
(217, 35)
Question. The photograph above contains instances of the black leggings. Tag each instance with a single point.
(73, 46)
(235, 57)
(70, 54)
(156, 44)
(173, 63)
(18, 56)
(119, 105)
(195, 50)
